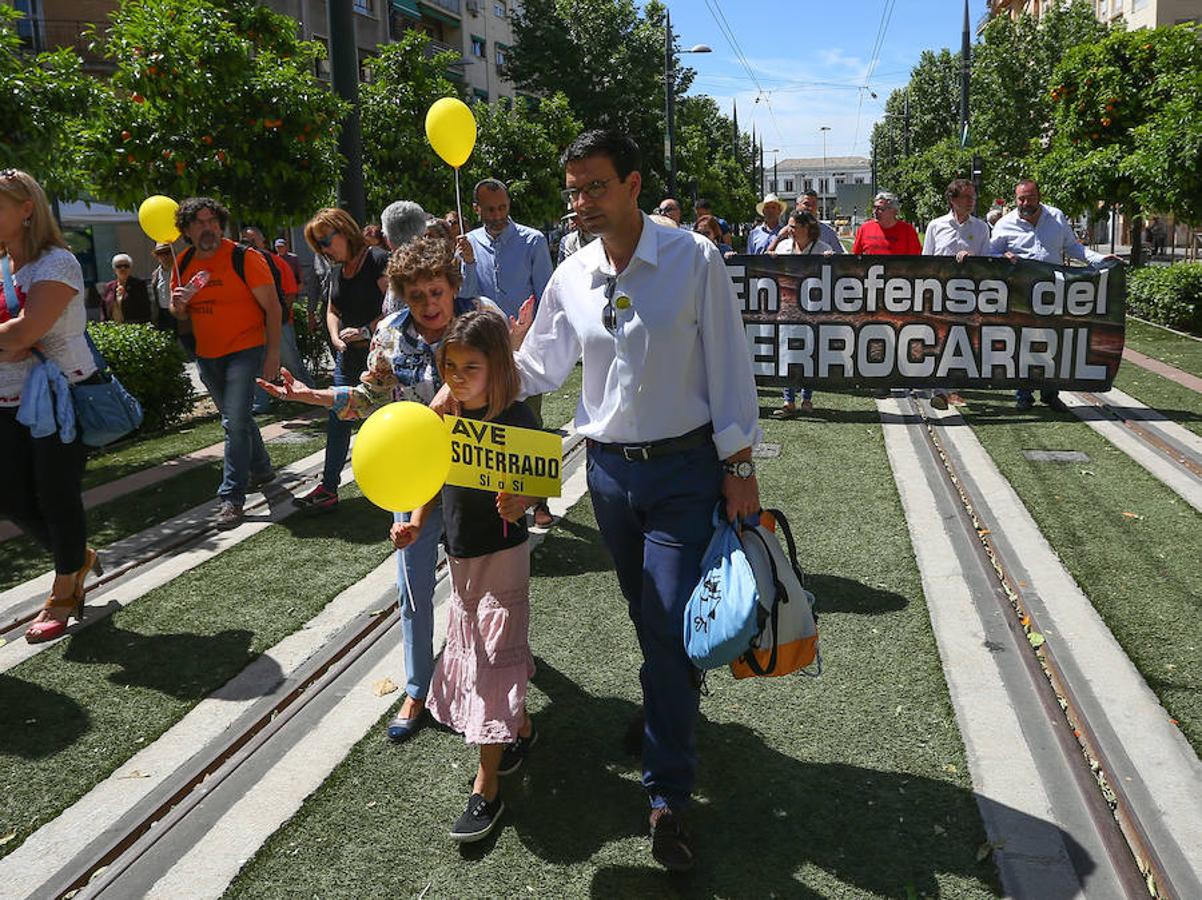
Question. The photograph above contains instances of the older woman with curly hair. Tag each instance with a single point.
(401, 366)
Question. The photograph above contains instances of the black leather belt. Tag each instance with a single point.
(653, 449)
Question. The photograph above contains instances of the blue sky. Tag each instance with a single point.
(810, 59)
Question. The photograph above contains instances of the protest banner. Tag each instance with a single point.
(492, 457)
(929, 321)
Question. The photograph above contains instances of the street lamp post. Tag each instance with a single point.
(670, 98)
(825, 177)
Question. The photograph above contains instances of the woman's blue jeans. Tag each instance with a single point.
(348, 366)
(415, 568)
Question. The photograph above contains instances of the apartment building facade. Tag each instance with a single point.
(1136, 13)
(834, 178)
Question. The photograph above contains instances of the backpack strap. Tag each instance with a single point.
(183, 263)
(784, 525)
(239, 261)
(774, 615)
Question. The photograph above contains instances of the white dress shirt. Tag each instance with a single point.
(947, 236)
(678, 358)
(1050, 241)
(788, 247)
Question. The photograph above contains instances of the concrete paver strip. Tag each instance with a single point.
(1181, 377)
(1022, 793)
(1149, 757)
(25, 869)
(156, 573)
(1174, 476)
(136, 481)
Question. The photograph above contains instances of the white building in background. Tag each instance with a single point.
(790, 178)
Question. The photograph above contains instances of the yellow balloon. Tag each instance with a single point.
(156, 215)
(451, 130)
(401, 456)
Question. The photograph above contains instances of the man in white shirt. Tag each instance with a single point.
(668, 405)
(1033, 230)
(957, 234)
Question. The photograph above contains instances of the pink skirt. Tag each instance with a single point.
(479, 685)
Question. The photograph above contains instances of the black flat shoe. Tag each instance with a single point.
(478, 820)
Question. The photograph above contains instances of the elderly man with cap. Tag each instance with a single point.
(291, 260)
(771, 208)
(574, 239)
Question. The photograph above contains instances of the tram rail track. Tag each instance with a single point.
(117, 855)
(1105, 777)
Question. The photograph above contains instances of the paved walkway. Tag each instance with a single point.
(1183, 378)
(143, 478)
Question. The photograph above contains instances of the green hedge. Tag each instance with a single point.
(313, 345)
(1167, 295)
(150, 363)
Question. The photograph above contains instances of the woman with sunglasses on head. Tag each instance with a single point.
(42, 312)
(356, 306)
(126, 298)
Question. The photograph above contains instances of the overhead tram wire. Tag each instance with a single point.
(875, 56)
(727, 32)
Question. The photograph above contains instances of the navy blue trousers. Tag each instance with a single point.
(656, 520)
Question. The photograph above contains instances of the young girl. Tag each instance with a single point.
(479, 686)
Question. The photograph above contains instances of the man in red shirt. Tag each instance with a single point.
(885, 234)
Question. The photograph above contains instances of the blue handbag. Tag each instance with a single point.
(722, 615)
(104, 410)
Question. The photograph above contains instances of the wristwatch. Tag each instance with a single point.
(743, 469)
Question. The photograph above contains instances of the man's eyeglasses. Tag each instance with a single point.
(8, 173)
(609, 315)
(121, 266)
(595, 190)
(324, 243)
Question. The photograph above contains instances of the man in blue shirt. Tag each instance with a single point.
(1033, 230)
(512, 260)
(513, 263)
(771, 208)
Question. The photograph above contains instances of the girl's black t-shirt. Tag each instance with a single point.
(358, 299)
(473, 526)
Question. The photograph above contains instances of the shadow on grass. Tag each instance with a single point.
(570, 549)
(761, 816)
(37, 722)
(845, 595)
(843, 417)
(355, 520)
(185, 666)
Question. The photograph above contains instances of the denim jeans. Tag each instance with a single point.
(1022, 394)
(348, 366)
(230, 381)
(418, 561)
(290, 359)
(656, 519)
(790, 394)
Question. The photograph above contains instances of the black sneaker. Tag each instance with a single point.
(671, 844)
(514, 754)
(478, 820)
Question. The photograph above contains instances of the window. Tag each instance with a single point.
(498, 9)
(365, 60)
(772, 185)
(1137, 5)
(807, 184)
(479, 47)
(502, 53)
(366, 7)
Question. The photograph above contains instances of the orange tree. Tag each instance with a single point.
(215, 98)
(1126, 114)
(44, 98)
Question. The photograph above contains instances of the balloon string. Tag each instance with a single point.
(459, 204)
(408, 586)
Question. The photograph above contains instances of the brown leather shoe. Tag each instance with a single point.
(671, 844)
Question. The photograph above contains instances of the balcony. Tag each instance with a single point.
(451, 6)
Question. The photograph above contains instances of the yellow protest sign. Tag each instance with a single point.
(494, 457)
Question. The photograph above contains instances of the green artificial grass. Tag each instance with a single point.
(1132, 544)
(559, 407)
(1182, 352)
(853, 784)
(1175, 401)
(77, 711)
(22, 558)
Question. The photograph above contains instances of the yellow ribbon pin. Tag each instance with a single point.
(622, 302)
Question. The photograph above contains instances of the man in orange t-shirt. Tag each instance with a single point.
(236, 322)
(885, 234)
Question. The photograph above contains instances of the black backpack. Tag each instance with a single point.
(239, 261)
